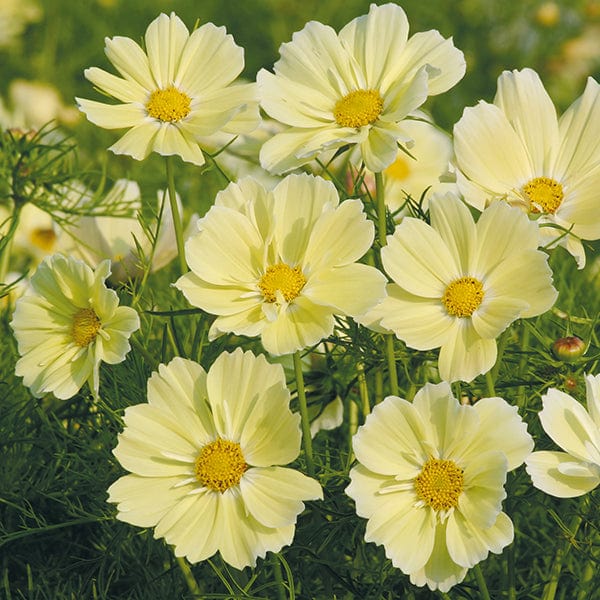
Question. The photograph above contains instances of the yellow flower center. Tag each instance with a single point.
(399, 169)
(463, 296)
(358, 108)
(440, 483)
(43, 239)
(281, 277)
(220, 465)
(544, 194)
(85, 326)
(168, 105)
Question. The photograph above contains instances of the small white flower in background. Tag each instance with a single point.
(15, 15)
(32, 104)
(576, 470)
(179, 90)
(96, 238)
(205, 456)
(425, 171)
(353, 88)
(282, 263)
(519, 151)
(457, 284)
(66, 324)
(430, 481)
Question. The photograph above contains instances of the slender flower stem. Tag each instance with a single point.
(483, 591)
(278, 574)
(306, 438)
(188, 576)
(363, 389)
(561, 553)
(176, 216)
(381, 212)
(382, 233)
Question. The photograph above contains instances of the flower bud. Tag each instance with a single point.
(568, 349)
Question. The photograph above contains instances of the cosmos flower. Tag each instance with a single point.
(518, 150)
(353, 88)
(282, 263)
(458, 284)
(430, 481)
(576, 470)
(179, 90)
(66, 324)
(205, 456)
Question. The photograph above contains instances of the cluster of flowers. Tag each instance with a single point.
(280, 261)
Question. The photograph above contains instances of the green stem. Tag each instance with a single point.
(381, 211)
(188, 576)
(176, 216)
(561, 553)
(510, 572)
(278, 574)
(363, 389)
(483, 591)
(306, 438)
(378, 386)
(389, 347)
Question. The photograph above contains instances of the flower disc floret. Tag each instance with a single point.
(440, 483)
(86, 325)
(168, 105)
(281, 278)
(463, 297)
(220, 465)
(545, 194)
(358, 108)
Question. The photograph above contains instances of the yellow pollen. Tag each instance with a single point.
(358, 108)
(439, 484)
(43, 239)
(463, 296)
(85, 326)
(544, 194)
(220, 465)
(168, 105)
(399, 169)
(289, 281)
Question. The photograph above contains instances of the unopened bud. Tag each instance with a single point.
(568, 349)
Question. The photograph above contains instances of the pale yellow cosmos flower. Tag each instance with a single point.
(205, 457)
(177, 91)
(430, 481)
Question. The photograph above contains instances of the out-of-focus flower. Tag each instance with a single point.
(353, 88)
(422, 173)
(576, 471)
(178, 91)
(204, 456)
(15, 15)
(458, 284)
(66, 324)
(517, 150)
(430, 481)
(282, 263)
(32, 104)
(121, 239)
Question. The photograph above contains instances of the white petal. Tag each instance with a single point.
(112, 116)
(544, 468)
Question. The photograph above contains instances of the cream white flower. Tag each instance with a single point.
(66, 324)
(15, 15)
(517, 150)
(122, 239)
(353, 88)
(458, 284)
(179, 90)
(576, 471)
(205, 458)
(281, 263)
(430, 481)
